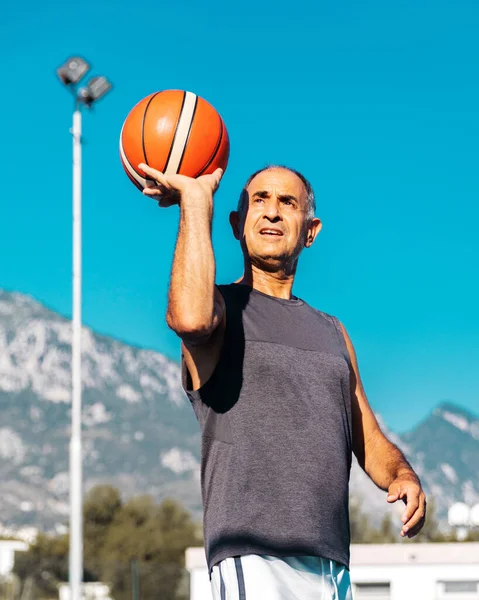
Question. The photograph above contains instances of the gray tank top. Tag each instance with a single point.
(275, 418)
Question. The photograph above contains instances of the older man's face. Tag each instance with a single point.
(274, 221)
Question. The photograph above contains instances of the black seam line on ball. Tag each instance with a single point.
(143, 126)
(188, 136)
(129, 161)
(176, 131)
(130, 176)
(132, 179)
(213, 156)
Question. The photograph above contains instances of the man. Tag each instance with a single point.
(276, 388)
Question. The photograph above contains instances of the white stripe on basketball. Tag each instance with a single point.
(181, 135)
(141, 180)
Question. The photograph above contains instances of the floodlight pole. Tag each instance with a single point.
(70, 74)
(76, 484)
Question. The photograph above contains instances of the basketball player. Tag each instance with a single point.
(275, 386)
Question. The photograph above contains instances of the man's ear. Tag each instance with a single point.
(314, 228)
(235, 220)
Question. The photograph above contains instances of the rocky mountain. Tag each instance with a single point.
(444, 451)
(140, 433)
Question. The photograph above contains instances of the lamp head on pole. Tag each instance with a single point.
(96, 88)
(73, 70)
(70, 73)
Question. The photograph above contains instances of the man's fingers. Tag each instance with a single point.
(166, 196)
(411, 494)
(213, 179)
(412, 503)
(151, 183)
(416, 529)
(410, 532)
(178, 184)
(152, 191)
(218, 174)
(417, 518)
(154, 174)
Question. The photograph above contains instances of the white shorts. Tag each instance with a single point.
(255, 577)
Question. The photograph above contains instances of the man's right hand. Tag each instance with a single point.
(170, 189)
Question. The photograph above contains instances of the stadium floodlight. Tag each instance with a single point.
(73, 70)
(96, 88)
(70, 74)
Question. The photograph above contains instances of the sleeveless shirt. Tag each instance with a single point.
(275, 417)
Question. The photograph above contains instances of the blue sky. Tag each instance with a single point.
(377, 103)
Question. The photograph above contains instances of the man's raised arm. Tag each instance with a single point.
(195, 307)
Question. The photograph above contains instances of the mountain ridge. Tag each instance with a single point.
(45, 308)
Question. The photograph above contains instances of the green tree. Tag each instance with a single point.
(472, 536)
(362, 531)
(156, 536)
(387, 533)
(45, 564)
(141, 533)
(99, 510)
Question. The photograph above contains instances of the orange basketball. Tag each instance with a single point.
(174, 132)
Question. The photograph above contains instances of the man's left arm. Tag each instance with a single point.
(383, 462)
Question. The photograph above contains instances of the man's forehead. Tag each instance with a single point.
(282, 181)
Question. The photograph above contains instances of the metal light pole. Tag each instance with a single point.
(70, 74)
(76, 467)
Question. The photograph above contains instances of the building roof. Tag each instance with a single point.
(407, 553)
(13, 545)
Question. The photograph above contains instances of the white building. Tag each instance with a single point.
(7, 554)
(89, 591)
(403, 571)
(415, 571)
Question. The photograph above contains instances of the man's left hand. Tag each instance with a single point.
(408, 489)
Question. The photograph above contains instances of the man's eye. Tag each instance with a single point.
(258, 200)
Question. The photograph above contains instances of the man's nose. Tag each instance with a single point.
(271, 210)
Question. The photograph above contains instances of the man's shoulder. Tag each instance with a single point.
(323, 315)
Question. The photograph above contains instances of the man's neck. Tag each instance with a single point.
(276, 284)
